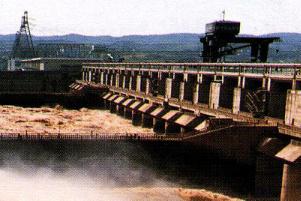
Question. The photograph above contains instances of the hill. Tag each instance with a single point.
(179, 47)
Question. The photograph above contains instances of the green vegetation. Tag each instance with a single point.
(161, 48)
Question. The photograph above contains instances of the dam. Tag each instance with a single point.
(227, 107)
(81, 123)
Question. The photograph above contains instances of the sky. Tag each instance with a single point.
(141, 17)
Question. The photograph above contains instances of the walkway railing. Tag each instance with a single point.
(117, 136)
(90, 137)
(290, 130)
(239, 68)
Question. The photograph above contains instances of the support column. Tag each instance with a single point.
(112, 107)
(96, 76)
(293, 108)
(90, 76)
(111, 80)
(138, 83)
(296, 84)
(106, 104)
(159, 126)
(147, 121)
(107, 79)
(127, 113)
(181, 93)
(168, 87)
(185, 77)
(236, 100)
(136, 118)
(83, 75)
(93, 75)
(102, 78)
(147, 87)
(241, 82)
(117, 80)
(267, 181)
(291, 186)
(130, 82)
(123, 81)
(214, 95)
(266, 83)
(120, 110)
(195, 97)
(99, 76)
(200, 78)
(171, 128)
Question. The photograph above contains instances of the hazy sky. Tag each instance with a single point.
(125, 17)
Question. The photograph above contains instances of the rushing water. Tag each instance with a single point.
(58, 171)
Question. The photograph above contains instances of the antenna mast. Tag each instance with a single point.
(224, 15)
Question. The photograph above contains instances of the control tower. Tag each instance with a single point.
(221, 36)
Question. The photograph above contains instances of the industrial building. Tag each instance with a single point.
(54, 64)
(71, 50)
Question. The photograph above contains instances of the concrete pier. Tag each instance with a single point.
(147, 121)
(168, 88)
(147, 87)
(130, 83)
(195, 96)
(291, 185)
(292, 110)
(159, 126)
(181, 93)
(138, 83)
(214, 95)
(136, 118)
(236, 100)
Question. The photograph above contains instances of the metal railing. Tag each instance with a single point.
(293, 131)
(90, 137)
(239, 68)
(106, 136)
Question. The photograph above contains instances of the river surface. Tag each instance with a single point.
(95, 171)
(106, 171)
(15, 119)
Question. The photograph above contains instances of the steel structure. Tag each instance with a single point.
(23, 45)
(221, 36)
(67, 50)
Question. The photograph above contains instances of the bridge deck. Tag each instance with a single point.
(276, 71)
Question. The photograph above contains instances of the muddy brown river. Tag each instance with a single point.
(14, 119)
(87, 172)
